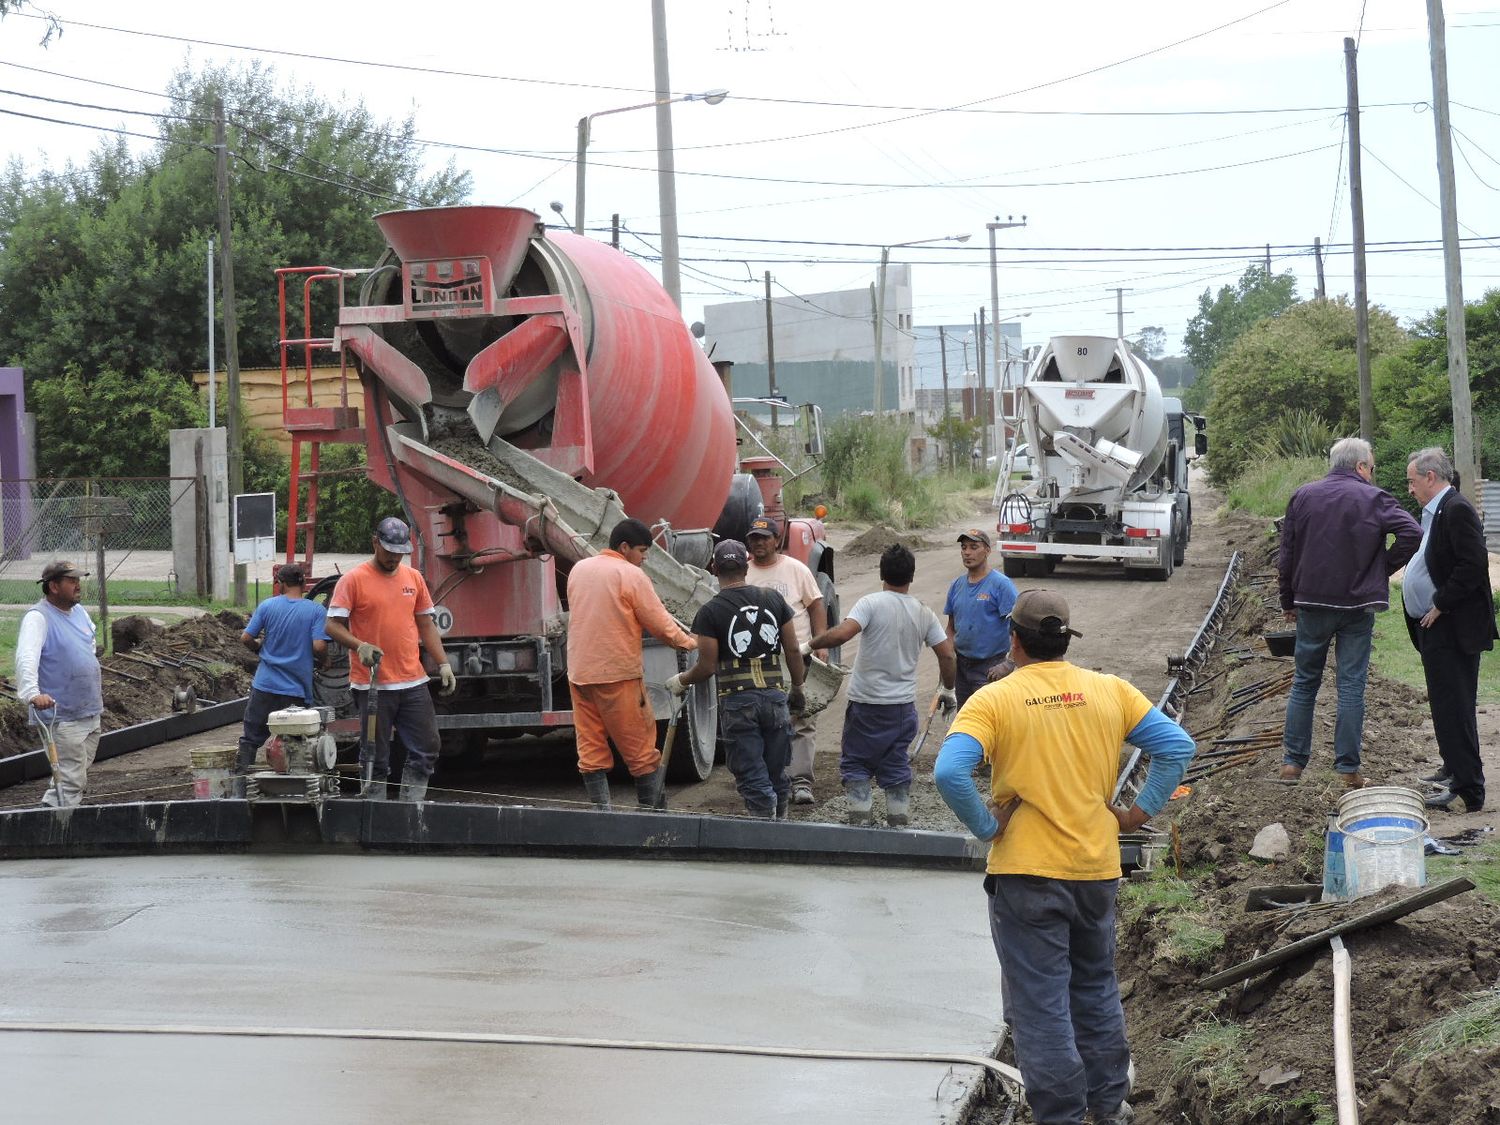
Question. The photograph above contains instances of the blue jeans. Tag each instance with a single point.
(758, 729)
(1056, 943)
(1351, 631)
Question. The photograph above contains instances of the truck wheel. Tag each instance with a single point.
(1014, 567)
(1163, 572)
(1038, 567)
(831, 606)
(1179, 544)
(697, 735)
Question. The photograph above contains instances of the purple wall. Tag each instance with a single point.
(15, 492)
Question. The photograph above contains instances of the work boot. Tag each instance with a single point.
(413, 787)
(650, 790)
(1123, 1115)
(596, 785)
(782, 802)
(1353, 780)
(761, 810)
(898, 806)
(802, 793)
(1442, 777)
(375, 790)
(860, 800)
(1290, 772)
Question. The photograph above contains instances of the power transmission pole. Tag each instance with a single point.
(879, 290)
(982, 400)
(770, 350)
(1322, 293)
(1120, 312)
(1458, 345)
(231, 330)
(1268, 261)
(943, 351)
(666, 172)
(614, 230)
(995, 311)
(1357, 212)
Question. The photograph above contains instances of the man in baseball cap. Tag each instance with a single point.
(744, 632)
(393, 535)
(1051, 733)
(978, 605)
(57, 671)
(770, 569)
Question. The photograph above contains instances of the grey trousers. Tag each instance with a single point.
(77, 743)
(1056, 942)
(804, 743)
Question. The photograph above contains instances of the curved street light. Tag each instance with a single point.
(885, 256)
(712, 97)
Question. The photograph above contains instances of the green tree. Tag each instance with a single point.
(1223, 318)
(84, 425)
(1303, 360)
(959, 436)
(1150, 343)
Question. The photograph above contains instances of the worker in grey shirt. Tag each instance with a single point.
(880, 720)
(57, 673)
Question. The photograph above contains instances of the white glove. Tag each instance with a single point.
(676, 686)
(806, 651)
(448, 680)
(947, 700)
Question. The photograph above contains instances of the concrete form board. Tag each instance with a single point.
(836, 958)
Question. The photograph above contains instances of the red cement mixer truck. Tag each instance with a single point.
(519, 391)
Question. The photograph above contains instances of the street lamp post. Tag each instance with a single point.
(712, 97)
(984, 440)
(885, 257)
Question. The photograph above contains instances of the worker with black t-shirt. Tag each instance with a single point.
(740, 633)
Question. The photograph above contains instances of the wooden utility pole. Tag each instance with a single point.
(1322, 293)
(1268, 261)
(1357, 213)
(770, 350)
(231, 330)
(943, 352)
(614, 230)
(1464, 459)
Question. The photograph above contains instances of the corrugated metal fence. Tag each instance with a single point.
(1489, 508)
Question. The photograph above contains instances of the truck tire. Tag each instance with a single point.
(695, 747)
(831, 607)
(1013, 567)
(1179, 543)
(1163, 572)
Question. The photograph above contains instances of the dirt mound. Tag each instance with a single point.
(1226, 1056)
(878, 538)
(141, 677)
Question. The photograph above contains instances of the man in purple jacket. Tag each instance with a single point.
(1334, 574)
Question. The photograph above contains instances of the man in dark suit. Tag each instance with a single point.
(1450, 614)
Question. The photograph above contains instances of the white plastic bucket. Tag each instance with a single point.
(1384, 829)
(211, 772)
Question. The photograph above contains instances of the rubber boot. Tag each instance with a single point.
(860, 800)
(596, 785)
(375, 790)
(783, 803)
(898, 806)
(761, 811)
(650, 790)
(413, 787)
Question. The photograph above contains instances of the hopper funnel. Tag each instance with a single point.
(500, 234)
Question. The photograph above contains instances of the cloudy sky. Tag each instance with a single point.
(1156, 146)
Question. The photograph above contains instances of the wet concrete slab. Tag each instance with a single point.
(822, 957)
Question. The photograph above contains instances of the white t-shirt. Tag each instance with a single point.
(893, 628)
(791, 579)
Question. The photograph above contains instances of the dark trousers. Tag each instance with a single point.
(973, 675)
(1452, 695)
(758, 729)
(258, 707)
(1056, 942)
(875, 742)
(409, 715)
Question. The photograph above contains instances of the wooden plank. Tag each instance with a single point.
(1314, 943)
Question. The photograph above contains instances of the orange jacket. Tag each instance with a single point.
(610, 602)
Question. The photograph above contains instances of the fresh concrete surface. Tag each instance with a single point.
(824, 957)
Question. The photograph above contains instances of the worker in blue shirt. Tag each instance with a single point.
(978, 609)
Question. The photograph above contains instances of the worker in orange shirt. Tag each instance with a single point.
(610, 602)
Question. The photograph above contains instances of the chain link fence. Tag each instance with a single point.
(117, 528)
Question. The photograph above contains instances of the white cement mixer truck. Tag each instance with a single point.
(1108, 464)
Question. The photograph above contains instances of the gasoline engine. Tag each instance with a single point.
(302, 757)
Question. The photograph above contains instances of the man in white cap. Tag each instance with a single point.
(57, 671)
(382, 612)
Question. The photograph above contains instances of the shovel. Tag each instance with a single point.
(49, 745)
(368, 719)
(931, 714)
(666, 750)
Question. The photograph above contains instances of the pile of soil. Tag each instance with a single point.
(149, 662)
(878, 538)
(1406, 974)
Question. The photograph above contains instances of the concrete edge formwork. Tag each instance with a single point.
(436, 828)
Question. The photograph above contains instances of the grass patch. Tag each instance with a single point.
(1394, 657)
(1190, 941)
(1269, 1107)
(1475, 1025)
(1481, 864)
(1161, 893)
(1264, 488)
(10, 626)
(867, 476)
(1213, 1053)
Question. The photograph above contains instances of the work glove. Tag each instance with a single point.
(676, 686)
(796, 702)
(807, 651)
(369, 655)
(448, 679)
(947, 701)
